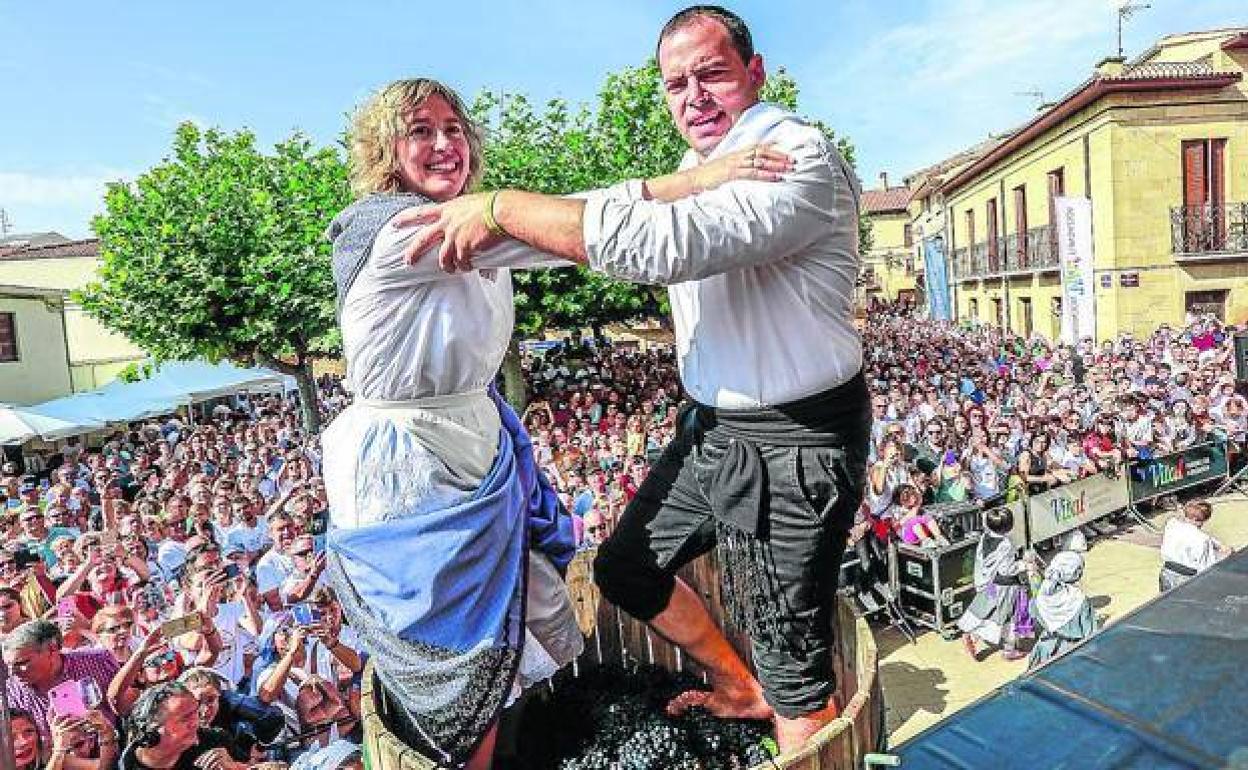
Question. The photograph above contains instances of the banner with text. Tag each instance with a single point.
(937, 278)
(1074, 249)
(1072, 505)
(1180, 470)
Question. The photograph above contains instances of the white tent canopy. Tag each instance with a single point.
(19, 425)
(174, 384)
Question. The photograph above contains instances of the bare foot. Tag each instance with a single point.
(793, 733)
(968, 643)
(1013, 654)
(725, 704)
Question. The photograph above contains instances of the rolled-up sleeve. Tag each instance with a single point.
(737, 225)
(389, 268)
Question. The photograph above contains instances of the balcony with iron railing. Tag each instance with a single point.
(1033, 251)
(1209, 232)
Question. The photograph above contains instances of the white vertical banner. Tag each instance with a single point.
(1074, 250)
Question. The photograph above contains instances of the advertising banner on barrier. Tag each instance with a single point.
(1180, 470)
(1060, 510)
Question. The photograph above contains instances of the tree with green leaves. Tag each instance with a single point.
(218, 252)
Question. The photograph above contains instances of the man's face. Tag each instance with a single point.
(32, 524)
(705, 82)
(179, 729)
(209, 698)
(32, 665)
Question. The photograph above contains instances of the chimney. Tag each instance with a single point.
(883, 180)
(1110, 66)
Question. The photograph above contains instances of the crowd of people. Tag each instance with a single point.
(960, 413)
(967, 413)
(162, 600)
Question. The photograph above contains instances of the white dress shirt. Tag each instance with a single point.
(761, 274)
(1182, 542)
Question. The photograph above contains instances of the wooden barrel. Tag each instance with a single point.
(612, 636)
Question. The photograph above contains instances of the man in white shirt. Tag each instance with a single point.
(1186, 549)
(768, 463)
(250, 531)
(277, 565)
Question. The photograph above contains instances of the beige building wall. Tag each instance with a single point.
(889, 253)
(1125, 152)
(95, 353)
(42, 369)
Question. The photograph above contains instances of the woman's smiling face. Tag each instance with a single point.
(434, 157)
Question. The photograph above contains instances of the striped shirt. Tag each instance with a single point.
(92, 663)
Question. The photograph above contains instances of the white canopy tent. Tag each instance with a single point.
(175, 384)
(19, 425)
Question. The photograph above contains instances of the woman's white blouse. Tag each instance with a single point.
(413, 331)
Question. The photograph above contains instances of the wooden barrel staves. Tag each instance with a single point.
(614, 637)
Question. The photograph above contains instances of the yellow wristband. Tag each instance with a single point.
(491, 223)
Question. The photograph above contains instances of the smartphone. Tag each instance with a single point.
(318, 523)
(305, 614)
(91, 695)
(232, 571)
(171, 629)
(67, 699)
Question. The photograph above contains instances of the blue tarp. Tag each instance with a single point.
(1164, 687)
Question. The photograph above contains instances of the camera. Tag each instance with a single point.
(25, 558)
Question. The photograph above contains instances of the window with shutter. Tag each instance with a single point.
(8, 338)
(994, 256)
(1020, 226)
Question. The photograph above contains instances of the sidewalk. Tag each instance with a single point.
(925, 682)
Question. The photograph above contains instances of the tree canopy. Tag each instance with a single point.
(218, 252)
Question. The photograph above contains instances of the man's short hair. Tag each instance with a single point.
(33, 633)
(736, 27)
(201, 675)
(1198, 511)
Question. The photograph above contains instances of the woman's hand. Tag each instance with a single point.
(66, 732)
(298, 635)
(761, 162)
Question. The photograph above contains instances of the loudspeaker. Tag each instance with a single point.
(1241, 356)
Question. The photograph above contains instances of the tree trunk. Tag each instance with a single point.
(308, 399)
(302, 372)
(514, 389)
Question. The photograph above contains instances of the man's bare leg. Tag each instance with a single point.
(735, 693)
(483, 757)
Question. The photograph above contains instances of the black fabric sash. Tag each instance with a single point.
(1181, 569)
(833, 418)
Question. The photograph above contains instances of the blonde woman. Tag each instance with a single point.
(434, 495)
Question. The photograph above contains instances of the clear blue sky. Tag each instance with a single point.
(91, 91)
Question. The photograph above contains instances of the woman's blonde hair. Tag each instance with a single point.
(379, 122)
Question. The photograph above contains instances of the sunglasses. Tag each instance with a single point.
(163, 659)
(123, 628)
(302, 554)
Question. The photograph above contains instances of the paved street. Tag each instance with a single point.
(925, 682)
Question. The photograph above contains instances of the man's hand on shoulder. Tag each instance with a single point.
(458, 225)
